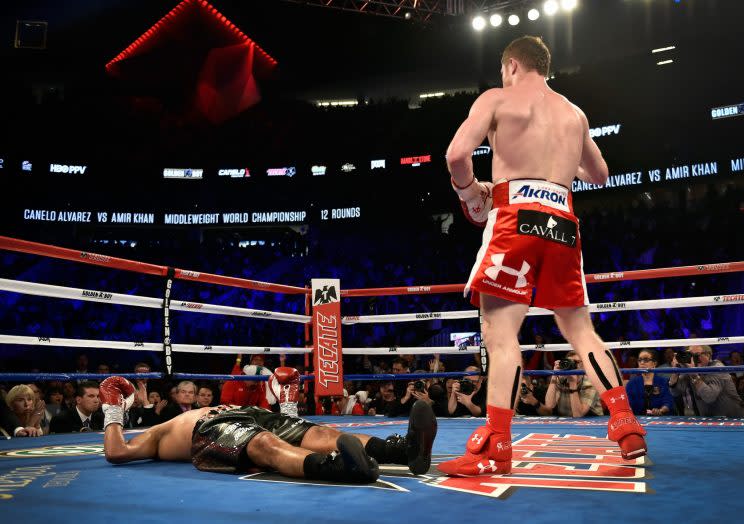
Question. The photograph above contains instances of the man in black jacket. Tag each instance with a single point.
(185, 401)
(86, 416)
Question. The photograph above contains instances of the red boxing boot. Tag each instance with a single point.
(623, 427)
(489, 448)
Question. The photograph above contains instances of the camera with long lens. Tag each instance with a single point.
(566, 363)
(525, 390)
(466, 386)
(419, 385)
(685, 357)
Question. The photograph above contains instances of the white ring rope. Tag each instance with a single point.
(400, 350)
(664, 303)
(214, 309)
(47, 290)
(146, 346)
(450, 350)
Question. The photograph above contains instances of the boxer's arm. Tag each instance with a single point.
(470, 135)
(144, 446)
(592, 167)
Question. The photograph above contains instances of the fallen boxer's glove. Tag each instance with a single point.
(284, 387)
(117, 396)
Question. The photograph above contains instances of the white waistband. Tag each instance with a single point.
(546, 193)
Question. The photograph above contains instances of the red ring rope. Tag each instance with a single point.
(35, 248)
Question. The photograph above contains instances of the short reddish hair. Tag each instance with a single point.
(531, 52)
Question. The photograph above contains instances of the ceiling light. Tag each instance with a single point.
(568, 5)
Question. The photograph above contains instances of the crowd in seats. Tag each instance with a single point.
(42, 408)
(668, 228)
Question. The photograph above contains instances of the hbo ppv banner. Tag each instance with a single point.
(327, 358)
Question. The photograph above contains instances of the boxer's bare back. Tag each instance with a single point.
(534, 133)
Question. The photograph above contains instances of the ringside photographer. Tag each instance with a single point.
(572, 395)
(467, 396)
(707, 394)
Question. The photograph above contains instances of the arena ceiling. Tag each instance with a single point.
(335, 53)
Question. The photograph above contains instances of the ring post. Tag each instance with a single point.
(327, 357)
(167, 348)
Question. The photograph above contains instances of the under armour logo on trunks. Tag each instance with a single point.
(498, 266)
(547, 226)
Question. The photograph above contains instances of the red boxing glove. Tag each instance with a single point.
(286, 375)
(476, 200)
(284, 387)
(116, 391)
(623, 427)
(117, 396)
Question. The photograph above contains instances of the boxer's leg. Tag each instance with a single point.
(268, 451)
(501, 321)
(601, 368)
(413, 450)
(488, 449)
(349, 464)
(576, 327)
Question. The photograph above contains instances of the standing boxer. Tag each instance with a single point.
(540, 143)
